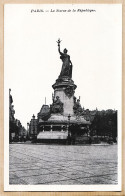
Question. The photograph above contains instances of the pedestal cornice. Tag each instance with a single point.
(64, 82)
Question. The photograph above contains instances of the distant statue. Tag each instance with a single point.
(77, 107)
(66, 70)
(57, 106)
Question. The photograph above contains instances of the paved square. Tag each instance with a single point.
(62, 164)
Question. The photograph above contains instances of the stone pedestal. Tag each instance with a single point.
(65, 89)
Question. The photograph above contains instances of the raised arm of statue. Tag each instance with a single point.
(59, 49)
(59, 41)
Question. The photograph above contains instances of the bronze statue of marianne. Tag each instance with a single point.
(66, 70)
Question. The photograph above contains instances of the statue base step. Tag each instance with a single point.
(53, 135)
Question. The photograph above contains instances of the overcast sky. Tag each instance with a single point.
(32, 62)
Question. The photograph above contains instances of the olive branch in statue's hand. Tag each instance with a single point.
(59, 41)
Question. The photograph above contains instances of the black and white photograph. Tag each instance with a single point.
(62, 89)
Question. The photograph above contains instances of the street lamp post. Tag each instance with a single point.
(33, 125)
(69, 119)
(69, 132)
(28, 131)
(27, 126)
(110, 135)
(110, 124)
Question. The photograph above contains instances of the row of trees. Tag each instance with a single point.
(105, 124)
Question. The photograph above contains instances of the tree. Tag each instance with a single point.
(105, 123)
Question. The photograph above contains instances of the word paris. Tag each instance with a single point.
(62, 10)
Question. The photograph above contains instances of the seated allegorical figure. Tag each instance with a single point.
(77, 106)
(57, 106)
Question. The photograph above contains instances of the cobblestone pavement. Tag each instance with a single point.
(64, 165)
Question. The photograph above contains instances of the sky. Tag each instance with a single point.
(32, 62)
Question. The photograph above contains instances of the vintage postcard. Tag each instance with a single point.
(62, 89)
